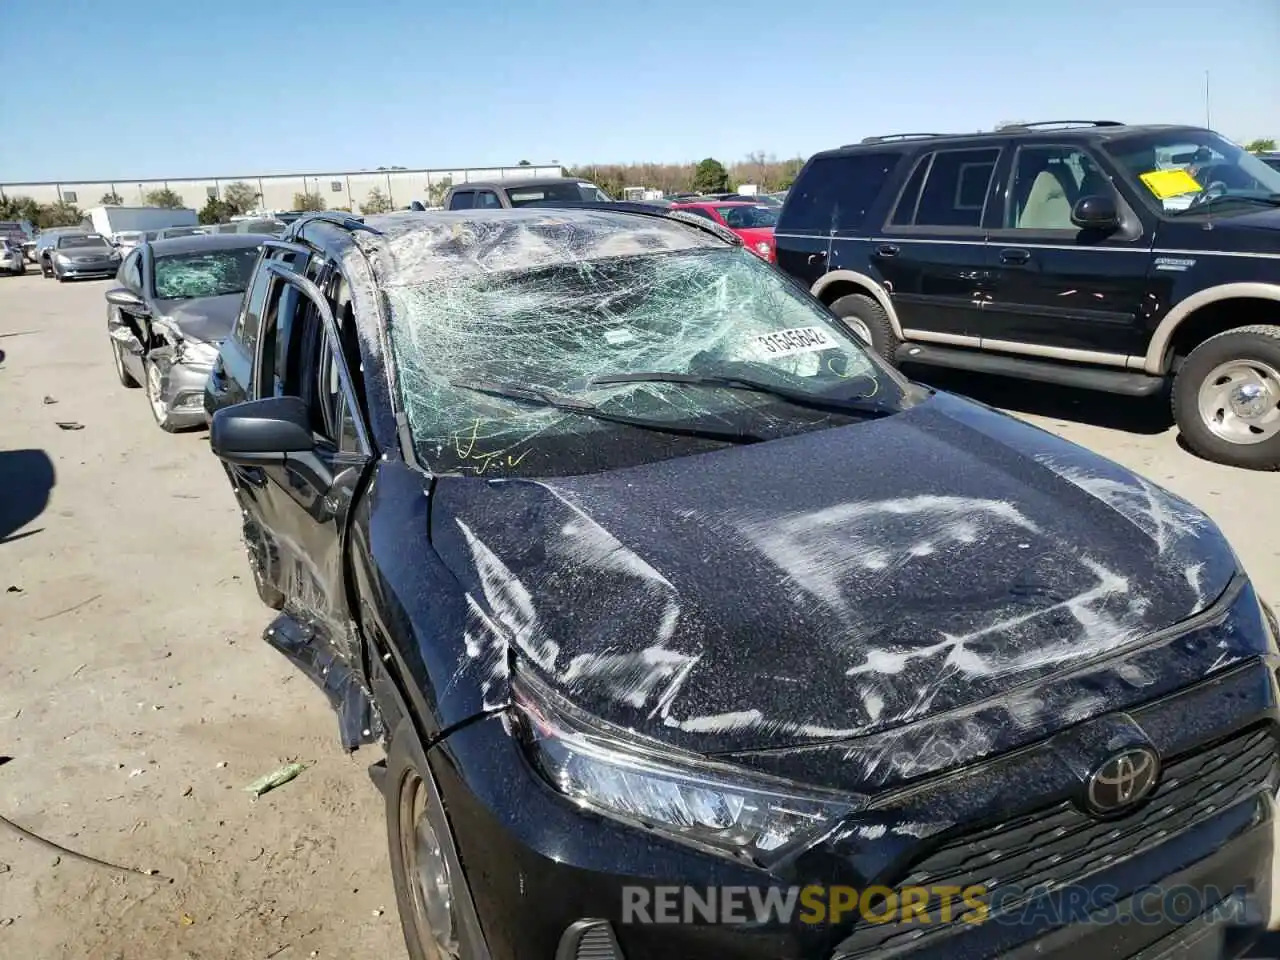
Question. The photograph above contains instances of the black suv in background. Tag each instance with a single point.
(1125, 259)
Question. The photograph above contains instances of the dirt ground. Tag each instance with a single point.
(137, 700)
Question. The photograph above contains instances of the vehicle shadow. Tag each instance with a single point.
(1146, 415)
(27, 477)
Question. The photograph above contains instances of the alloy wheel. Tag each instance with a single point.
(1239, 401)
(155, 394)
(858, 328)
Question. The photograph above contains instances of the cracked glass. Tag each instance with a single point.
(702, 309)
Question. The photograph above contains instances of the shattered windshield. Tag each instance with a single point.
(491, 367)
(1197, 170)
(209, 273)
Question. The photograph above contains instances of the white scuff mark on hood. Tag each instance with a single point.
(719, 722)
(1099, 630)
(817, 549)
(913, 829)
(872, 832)
(631, 678)
(1195, 578)
(874, 704)
(1162, 516)
(511, 602)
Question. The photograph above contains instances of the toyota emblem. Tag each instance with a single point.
(1124, 780)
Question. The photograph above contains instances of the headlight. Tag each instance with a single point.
(646, 784)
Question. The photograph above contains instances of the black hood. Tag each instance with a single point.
(825, 586)
(208, 319)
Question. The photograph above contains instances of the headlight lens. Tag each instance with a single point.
(646, 784)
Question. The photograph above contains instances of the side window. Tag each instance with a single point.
(1047, 181)
(247, 324)
(835, 193)
(953, 189)
(462, 200)
(487, 199)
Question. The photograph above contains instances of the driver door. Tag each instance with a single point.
(129, 331)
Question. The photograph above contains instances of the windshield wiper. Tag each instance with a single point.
(557, 401)
(858, 405)
(1272, 200)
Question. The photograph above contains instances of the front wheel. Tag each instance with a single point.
(424, 865)
(863, 316)
(155, 396)
(117, 355)
(1226, 398)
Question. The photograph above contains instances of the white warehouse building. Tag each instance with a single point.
(276, 191)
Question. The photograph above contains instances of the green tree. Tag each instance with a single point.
(111, 199)
(308, 201)
(240, 196)
(19, 208)
(525, 163)
(1264, 145)
(377, 202)
(216, 211)
(436, 191)
(59, 215)
(711, 177)
(163, 197)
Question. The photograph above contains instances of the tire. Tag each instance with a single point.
(862, 313)
(125, 377)
(413, 803)
(1238, 423)
(45, 271)
(154, 386)
(59, 277)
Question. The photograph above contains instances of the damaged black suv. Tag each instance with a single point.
(1125, 259)
(669, 600)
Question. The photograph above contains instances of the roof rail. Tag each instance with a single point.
(1048, 124)
(898, 136)
(336, 217)
(646, 210)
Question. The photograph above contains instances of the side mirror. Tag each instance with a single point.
(261, 433)
(127, 300)
(1096, 213)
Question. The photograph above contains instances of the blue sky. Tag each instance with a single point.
(146, 89)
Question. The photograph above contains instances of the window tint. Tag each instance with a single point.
(905, 212)
(835, 193)
(462, 200)
(1047, 182)
(955, 189)
(487, 199)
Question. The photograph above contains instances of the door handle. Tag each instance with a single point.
(1015, 256)
(887, 250)
(815, 257)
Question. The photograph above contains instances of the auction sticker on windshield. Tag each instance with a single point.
(787, 343)
(1170, 183)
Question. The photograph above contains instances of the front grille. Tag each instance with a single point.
(1062, 845)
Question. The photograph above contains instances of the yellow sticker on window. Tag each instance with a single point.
(1170, 183)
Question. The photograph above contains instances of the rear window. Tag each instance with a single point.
(748, 218)
(571, 190)
(462, 200)
(835, 193)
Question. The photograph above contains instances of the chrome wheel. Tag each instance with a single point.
(428, 873)
(155, 394)
(858, 328)
(118, 359)
(1239, 401)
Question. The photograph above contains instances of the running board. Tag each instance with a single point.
(1127, 382)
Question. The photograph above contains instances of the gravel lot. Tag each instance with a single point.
(138, 699)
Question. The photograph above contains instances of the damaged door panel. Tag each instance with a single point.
(299, 511)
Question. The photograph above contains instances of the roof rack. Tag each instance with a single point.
(898, 136)
(1049, 124)
(336, 217)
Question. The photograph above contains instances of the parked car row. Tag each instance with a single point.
(649, 569)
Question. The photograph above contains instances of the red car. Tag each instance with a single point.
(753, 222)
